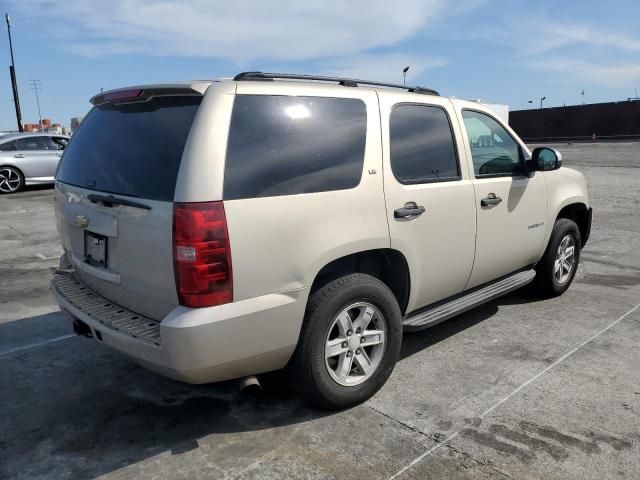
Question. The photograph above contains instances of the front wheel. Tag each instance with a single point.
(349, 343)
(558, 265)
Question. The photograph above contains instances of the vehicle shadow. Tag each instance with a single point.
(35, 188)
(415, 342)
(73, 408)
(96, 411)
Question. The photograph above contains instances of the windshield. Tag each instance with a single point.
(132, 149)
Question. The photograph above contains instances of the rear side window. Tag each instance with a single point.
(32, 143)
(8, 146)
(130, 149)
(282, 145)
(422, 145)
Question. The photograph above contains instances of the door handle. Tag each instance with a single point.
(19, 155)
(410, 209)
(490, 200)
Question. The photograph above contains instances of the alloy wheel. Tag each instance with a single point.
(355, 344)
(10, 180)
(565, 260)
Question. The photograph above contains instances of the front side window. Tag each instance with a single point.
(57, 143)
(493, 150)
(422, 145)
(284, 145)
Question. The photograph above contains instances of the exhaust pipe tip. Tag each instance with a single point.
(81, 328)
(250, 385)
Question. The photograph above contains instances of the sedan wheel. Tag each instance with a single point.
(10, 180)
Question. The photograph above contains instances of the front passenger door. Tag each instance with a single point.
(511, 206)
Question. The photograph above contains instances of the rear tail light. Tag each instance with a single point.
(201, 254)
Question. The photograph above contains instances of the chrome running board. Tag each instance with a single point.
(433, 316)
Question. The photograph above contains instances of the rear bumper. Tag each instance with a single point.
(196, 345)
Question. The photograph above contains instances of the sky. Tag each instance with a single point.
(502, 51)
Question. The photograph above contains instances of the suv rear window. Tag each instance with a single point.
(131, 149)
(282, 145)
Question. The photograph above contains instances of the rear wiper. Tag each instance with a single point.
(110, 201)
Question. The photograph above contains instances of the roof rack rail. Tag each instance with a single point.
(346, 82)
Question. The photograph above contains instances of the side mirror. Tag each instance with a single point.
(545, 158)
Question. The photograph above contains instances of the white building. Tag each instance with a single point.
(501, 110)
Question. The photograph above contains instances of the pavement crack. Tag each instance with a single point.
(478, 461)
(442, 439)
(12, 228)
(405, 425)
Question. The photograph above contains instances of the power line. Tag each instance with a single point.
(37, 85)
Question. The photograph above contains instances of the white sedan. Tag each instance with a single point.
(29, 159)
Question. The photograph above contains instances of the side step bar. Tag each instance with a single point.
(440, 313)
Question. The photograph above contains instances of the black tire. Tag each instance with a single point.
(307, 370)
(12, 174)
(546, 282)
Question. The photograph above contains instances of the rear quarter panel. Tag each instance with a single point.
(279, 244)
(201, 173)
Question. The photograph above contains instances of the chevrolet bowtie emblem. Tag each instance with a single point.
(82, 221)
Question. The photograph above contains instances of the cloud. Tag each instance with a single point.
(611, 74)
(549, 36)
(577, 53)
(240, 31)
(535, 34)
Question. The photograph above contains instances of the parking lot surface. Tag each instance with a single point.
(518, 388)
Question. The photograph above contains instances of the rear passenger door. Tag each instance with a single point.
(429, 196)
(39, 158)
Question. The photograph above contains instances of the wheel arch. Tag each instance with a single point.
(387, 265)
(14, 166)
(579, 213)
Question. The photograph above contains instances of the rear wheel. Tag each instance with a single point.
(558, 265)
(11, 180)
(349, 343)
